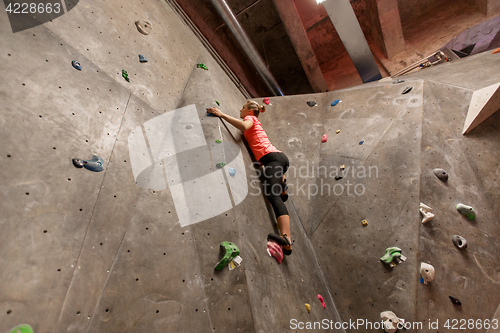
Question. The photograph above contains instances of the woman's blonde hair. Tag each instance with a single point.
(255, 107)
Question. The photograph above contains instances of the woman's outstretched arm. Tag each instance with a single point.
(238, 123)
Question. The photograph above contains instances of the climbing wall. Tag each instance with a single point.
(389, 143)
(133, 248)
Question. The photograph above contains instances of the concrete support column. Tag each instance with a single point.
(390, 23)
(298, 36)
(387, 31)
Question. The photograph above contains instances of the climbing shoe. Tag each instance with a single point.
(283, 241)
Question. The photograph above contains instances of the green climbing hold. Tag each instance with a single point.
(390, 254)
(231, 251)
(220, 165)
(24, 328)
(217, 103)
(467, 211)
(125, 75)
(201, 65)
(218, 141)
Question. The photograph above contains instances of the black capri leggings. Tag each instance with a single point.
(275, 166)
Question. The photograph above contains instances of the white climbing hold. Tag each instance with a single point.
(390, 321)
(426, 212)
(427, 272)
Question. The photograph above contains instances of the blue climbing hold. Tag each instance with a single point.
(142, 58)
(335, 102)
(94, 164)
(232, 171)
(76, 64)
(361, 142)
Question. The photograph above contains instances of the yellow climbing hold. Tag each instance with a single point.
(337, 131)
(365, 223)
(308, 307)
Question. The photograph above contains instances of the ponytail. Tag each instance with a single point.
(255, 107)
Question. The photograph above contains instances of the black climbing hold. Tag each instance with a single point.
(311, 103)
(407, 90)
(142, 58)
(441, 174)
(78, 162)
(338, 177)
(76, 64)
(94, 164)
(455, 301)
(398, 81)
(459, 241)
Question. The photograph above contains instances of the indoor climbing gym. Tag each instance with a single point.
(253, 166)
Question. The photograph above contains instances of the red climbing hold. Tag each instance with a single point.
(266, 101)
(324, 138)
(275, 250)
(322, 301)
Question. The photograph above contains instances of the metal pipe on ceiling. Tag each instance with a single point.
(246, 44)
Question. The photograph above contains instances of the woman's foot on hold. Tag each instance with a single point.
(283, 241)
(287, 249)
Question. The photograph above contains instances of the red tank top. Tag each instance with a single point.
(257, 139)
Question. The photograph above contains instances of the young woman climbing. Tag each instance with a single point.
(275, 165)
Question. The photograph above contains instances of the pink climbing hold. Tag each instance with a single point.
(322, 301)
(324, 138)
(275, 250)
(266, 101)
